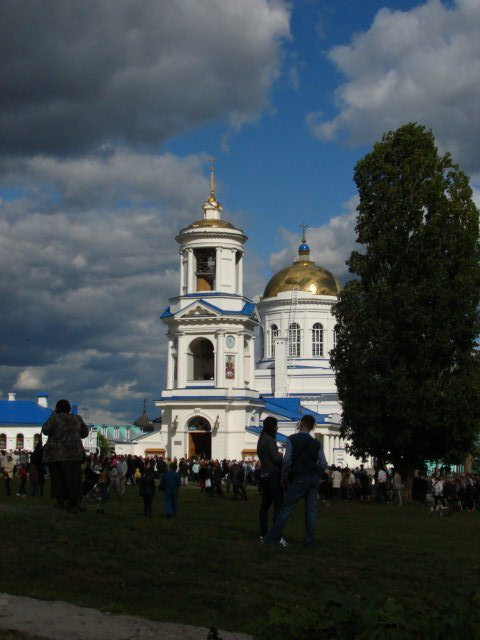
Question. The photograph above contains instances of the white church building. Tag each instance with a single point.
(220, 385)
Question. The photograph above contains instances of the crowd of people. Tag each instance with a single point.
(280, 479)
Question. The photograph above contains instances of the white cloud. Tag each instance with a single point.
(421, 65)
(330, 244)
(30, 378)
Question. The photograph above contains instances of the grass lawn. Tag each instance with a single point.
(206, 567)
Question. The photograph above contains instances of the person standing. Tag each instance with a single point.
(64, 453)
(147, 488)
(397, 487)
(381, 485)
(305, 459)
(269, 475)
(7, 469)
(171, 484)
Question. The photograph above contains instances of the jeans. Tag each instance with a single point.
(271, 493)
(301, 487)
(171, 503)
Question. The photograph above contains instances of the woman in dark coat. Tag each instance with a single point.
(64, 454)
(147, 488)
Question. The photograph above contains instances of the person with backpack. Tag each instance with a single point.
(303, 465)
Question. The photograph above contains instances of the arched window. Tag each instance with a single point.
(3, 440)
(274, 332)
(20, 441)
(36, 439)
(317, 340)
(201, 362)
(294, 340)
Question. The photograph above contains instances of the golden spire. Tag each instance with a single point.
(212, 180)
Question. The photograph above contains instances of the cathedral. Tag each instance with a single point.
(232, 361)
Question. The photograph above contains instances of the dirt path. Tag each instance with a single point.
(55, 620)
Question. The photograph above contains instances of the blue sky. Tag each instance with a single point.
(109, 113)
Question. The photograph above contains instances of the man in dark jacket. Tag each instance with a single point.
(304, 461)
(270, 473)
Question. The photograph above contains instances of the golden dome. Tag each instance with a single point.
(303, 275)
(210, 222)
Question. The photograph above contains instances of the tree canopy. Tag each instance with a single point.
(406, 364)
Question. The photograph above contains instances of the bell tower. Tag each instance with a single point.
(210, 354)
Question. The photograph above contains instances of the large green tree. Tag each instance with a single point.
(407, 369)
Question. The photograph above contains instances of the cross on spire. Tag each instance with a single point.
(304, 227)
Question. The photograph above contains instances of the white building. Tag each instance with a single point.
(216, 394)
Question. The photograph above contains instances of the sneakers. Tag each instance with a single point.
(281, 543)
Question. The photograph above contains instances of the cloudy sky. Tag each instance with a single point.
(109, 111)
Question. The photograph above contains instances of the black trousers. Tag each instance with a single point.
(66, 482)
(272, 493)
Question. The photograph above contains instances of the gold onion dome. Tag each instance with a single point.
(303, 275)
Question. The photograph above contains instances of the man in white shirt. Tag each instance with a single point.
(382, 485)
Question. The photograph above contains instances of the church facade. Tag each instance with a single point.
(232, 361)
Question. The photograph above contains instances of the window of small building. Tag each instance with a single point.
(3, 440)
(36, 439)
(20, 441)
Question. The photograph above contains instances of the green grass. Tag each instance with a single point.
(206, 567)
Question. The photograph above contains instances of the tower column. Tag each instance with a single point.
(170, 362)
(252, 362)
(182, 274)
(182, 360)
(240, 276)
(240, 373)
(190, 273)
(219, 359)
(218, 262)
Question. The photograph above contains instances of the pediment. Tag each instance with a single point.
(254, 316)
(197, 310)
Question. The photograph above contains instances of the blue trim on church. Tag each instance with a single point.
(247, 310)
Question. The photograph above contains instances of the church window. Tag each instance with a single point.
(200, 360)
(274, 332)
(20, 441)
(3, 440)
(294, 340)
(317, 340)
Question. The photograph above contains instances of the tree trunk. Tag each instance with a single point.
(407, 484)
(468, 463)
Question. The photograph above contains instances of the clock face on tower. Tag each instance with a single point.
(230, 342)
